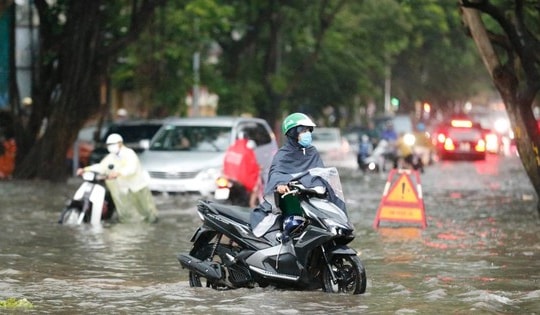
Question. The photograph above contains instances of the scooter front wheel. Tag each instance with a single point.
(350, 275)
(70, 216)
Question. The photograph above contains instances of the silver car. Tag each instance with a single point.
(334, 148)
(186, 154)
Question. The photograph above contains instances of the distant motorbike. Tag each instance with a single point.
(415, 159)
(307, 251)
(375, 162)
(229, 191)
(91, 203)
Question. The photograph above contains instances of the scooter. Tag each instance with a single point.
(376, 161)
(229, 191)
(91, 203)
(307, 251)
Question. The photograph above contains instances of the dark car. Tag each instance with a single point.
(136, 134)
(460, 138)
(85, 144)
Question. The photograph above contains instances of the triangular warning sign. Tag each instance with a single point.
(402, 190)
(401, 202)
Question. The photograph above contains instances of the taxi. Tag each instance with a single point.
(460, 138)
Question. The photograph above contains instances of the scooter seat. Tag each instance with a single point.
(237, 213)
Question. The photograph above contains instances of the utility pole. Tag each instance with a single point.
(196, 74)
(195, 99)
(387, 88)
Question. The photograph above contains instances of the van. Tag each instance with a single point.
(402, 123)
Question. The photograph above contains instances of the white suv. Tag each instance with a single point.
(186, 154)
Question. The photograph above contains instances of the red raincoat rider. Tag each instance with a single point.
(240, 164)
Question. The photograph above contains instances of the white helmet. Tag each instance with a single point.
(122, 112)
(114, 138)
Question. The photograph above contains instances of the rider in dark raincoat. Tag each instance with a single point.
(295, 157)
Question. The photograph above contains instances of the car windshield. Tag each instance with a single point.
(133, 133)
(192, 138)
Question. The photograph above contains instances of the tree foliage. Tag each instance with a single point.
(77, 41)
(266, 58)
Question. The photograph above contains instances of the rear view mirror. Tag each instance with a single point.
(144, 144)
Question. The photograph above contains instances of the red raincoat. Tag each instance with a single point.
(240, 164)
(7, 160)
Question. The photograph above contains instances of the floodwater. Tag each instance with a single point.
(480, 252)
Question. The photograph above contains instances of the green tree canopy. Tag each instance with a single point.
(266, 58)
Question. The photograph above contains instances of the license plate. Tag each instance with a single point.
(222, 194)
(465, 146)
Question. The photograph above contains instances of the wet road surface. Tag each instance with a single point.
(480, 252)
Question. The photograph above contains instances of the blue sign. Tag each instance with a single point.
(5, 19)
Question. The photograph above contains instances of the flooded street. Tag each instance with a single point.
(480, 252)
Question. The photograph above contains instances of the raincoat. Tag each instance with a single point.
(289, 161)
(7, 160)
(240, 164)
(129, 191)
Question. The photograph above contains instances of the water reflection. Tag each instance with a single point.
(479, 254)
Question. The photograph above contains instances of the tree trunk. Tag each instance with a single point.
(517, 96)
(78, 73)
(523, 124)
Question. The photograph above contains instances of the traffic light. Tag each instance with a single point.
(395, 102)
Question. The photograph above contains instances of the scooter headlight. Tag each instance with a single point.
(337, 228)
(89, 176)
(409, 139)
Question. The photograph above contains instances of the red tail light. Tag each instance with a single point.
(222, 182)
(449, 145)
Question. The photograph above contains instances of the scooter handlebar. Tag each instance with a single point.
(92, 176)
(297, 188)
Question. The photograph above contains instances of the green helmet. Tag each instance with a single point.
(296, 119)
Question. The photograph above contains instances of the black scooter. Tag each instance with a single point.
(307, 251)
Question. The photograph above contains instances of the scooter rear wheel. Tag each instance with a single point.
(205, 253)
(350, 274)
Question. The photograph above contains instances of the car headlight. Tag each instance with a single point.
(209, 174)
(502, 125)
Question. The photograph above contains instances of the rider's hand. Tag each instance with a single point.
(282, 189)
(79, 171)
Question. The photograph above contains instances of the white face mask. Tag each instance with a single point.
(113, 148)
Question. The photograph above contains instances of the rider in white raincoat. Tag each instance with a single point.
(126, 181)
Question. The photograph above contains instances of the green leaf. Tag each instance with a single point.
(16, 303)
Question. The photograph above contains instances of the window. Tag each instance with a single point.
(192, 138)
(256, 132)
